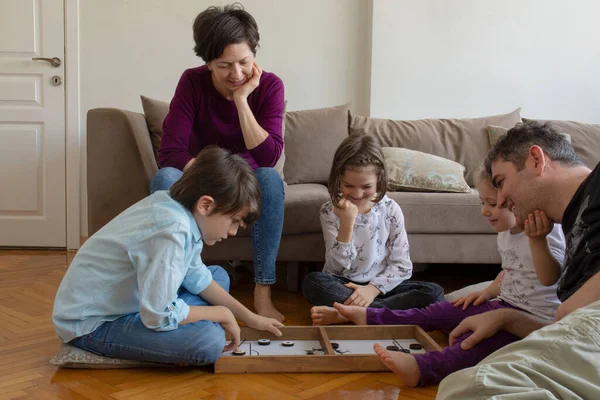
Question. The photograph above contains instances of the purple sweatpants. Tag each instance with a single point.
(436, 365)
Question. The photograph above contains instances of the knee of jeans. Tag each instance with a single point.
(169, 173)
(220, 276)
(437, 292)
(268, 179)
(309, 285)
(208, 343)
(165, 178)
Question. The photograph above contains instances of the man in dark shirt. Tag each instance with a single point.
(538, 174)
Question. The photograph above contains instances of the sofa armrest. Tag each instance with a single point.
(120, 163)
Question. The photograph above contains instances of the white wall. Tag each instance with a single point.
(320, 49)
(469, 58)
(138, 47)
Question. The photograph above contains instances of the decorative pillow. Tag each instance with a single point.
(495, 132)
(312, 137)
(73, 357)
(156, 111)
(410, 170)
(463, 140)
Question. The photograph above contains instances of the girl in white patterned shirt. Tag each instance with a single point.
(367, 261)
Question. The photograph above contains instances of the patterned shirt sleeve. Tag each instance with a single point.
(397, 260)
(338, 255)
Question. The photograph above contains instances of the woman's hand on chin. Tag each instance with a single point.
(244, 91)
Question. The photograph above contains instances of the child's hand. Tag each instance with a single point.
(363, 296)
(261, 323)
(346, 211)
(538, 226)
(476, 298)
(230, 325)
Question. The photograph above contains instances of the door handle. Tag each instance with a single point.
(55, 61)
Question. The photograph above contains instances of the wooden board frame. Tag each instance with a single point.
(330, 361)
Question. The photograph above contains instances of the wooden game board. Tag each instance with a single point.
(354, 354)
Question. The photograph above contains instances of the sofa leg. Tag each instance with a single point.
(293, 276)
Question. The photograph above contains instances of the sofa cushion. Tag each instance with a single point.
(442, 212)
(423, 212)
(301, 209)
(411, 170)
(156, 111)
(312, 137)
(462, 140)
(496, 132)
(585, 138)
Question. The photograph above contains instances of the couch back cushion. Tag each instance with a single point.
(585, 138)
(462, 140)
(311, 139)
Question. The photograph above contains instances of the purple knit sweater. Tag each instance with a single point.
(200, 116)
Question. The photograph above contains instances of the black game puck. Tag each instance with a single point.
(287, 343)
(415, 346)
(264, 342)
(239, 352)
(392, 348)
(335, 345)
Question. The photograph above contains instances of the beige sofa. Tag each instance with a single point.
(442, 227)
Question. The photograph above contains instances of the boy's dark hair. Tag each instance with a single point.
(225, 177)
(514, 146)
(217, 27)
(355, 153)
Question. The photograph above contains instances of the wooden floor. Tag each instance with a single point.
(28, 283)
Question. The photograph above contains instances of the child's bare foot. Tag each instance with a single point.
(400, 363)
(356, 314)
(263, 303)
(323, 315)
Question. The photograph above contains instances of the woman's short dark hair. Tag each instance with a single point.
(355, 153)
(225, 177)
(217, 27)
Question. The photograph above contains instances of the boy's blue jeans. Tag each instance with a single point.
(265, 232)
(198, 343)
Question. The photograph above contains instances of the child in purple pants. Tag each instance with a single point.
(530, 270)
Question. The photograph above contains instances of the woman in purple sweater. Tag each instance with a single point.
(232, 103)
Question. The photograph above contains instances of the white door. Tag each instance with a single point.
(32, 124)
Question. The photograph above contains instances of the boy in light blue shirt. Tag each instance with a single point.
(138, 288)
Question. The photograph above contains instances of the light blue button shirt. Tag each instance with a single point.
(135, 263)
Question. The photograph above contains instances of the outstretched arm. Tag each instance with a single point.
(485, 325)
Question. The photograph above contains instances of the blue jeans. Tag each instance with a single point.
(198, 343)
(323, 289)
(266, 231)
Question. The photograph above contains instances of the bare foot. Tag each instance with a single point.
(356, 314)
(323, 315)
(263, 303)
(400, 363)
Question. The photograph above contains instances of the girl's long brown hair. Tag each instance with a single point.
(356, 152)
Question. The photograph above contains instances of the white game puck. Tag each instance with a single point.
(239, 352)
(287, 343)
(264, 342)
